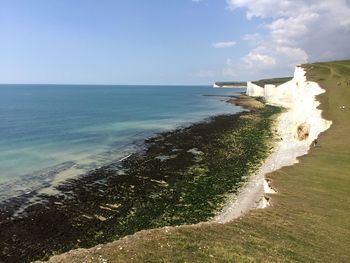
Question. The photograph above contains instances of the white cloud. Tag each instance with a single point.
(197, 1)
(225, 44)
(263, 62)
(266, 8)
(256, 59)
(298, 30)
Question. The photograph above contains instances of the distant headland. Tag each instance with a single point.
(261, 83)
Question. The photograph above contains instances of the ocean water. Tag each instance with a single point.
(53, 132)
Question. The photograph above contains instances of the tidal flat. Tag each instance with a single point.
(179, 177)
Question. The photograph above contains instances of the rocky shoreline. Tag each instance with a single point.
(180, 177)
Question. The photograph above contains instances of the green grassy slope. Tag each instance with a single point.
(309, 220)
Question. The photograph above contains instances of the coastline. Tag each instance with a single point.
(88, 133)
(255, 193)
(165, 184)
(308, 219)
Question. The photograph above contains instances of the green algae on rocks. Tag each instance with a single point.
(181, 177)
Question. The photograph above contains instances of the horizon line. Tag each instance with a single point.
(97, 84)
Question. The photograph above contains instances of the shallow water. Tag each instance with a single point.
(53, 132)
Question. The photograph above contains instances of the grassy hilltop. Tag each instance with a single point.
(309, 220)
(274, 81)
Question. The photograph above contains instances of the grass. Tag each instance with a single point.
(309, 220)
(274, 81)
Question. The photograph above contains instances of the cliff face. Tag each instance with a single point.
(297, 128)
(254, 90)
(303, 120)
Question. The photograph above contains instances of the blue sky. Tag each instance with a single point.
(145, 42)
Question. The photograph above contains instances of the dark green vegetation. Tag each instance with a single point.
(231, 83)
(181, 177)
(309, 220)
(274, 81)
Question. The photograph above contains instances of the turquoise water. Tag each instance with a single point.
(49, 129)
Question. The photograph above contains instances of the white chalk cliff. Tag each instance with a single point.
(254, 90)
(298, 97)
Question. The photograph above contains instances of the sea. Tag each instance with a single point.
(50, 133)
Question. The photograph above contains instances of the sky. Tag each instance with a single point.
(166, 41)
